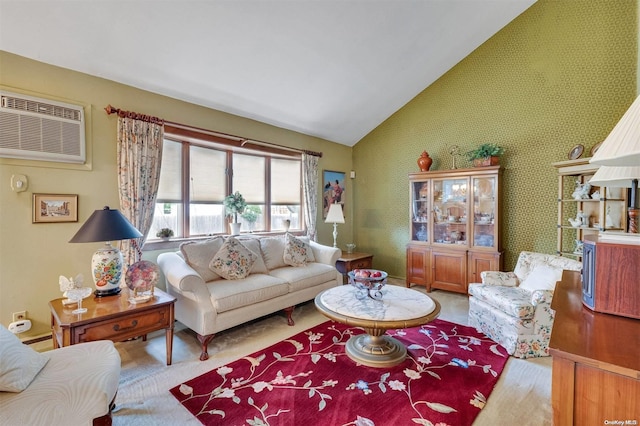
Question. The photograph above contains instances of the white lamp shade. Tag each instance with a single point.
(622, 146)
(615, 177)
(335, 214)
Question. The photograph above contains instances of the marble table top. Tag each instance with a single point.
(397, 303)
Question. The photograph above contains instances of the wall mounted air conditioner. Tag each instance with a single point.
(41, 129)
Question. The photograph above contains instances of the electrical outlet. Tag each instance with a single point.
(19, 316)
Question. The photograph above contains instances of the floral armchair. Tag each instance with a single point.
(514, 308)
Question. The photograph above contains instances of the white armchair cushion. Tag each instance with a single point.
(19, 364)
(506, 279)
(513, 301)
(542, 277)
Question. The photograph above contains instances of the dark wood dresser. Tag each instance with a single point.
(596, 362)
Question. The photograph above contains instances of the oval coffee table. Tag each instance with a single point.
(399, 307)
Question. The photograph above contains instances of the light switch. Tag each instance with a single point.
(19, 183)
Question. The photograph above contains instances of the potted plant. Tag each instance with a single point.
(250, 214)
(486, 154)
(165, 233)
(234, 205)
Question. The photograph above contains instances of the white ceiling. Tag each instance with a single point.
(334, 69)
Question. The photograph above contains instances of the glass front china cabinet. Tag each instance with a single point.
(455, 227)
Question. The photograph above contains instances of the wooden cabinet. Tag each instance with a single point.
(455, 227)
(587, 212)
(596, 368)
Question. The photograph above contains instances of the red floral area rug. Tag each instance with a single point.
(448, 374)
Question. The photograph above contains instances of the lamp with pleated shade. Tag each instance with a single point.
(619, 156)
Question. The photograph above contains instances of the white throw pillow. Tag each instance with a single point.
(198, 254)
(19, 364)
(542, 277)
(295, 251)
(233, 261)
(273, 252)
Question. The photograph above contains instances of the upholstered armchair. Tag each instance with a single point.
(514, 308)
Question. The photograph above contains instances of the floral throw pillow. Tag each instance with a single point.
(295, 251)
(233, 261)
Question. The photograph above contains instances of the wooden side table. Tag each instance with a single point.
(596, 368)
(350, 261)
(113, 318)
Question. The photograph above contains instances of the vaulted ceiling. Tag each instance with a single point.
(334, 69)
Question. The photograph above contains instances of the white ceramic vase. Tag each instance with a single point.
(235, 228)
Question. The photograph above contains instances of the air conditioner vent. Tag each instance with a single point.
(40, 129)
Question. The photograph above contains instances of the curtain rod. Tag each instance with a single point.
(121, 113)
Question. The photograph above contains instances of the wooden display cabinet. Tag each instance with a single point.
(601, 209)
(455, 227)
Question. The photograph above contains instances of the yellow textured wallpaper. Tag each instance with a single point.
(561, 74)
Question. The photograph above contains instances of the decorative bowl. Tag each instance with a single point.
(368, 282)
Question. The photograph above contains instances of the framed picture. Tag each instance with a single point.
(576, 152)
(50, 208)
(332, 190)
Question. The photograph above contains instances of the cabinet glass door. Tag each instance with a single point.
(484, 212)
(450, 211)
(420, 195)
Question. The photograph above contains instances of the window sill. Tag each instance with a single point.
(174, 243)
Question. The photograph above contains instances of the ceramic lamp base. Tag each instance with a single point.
(106, 265)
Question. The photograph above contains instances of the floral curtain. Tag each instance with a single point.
(310, 191)
(139, 157)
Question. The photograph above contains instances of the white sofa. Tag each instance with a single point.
(514, 308)
(207, 302)
(74, 385)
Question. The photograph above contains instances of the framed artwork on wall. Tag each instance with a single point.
(51, 208)
(332, 190)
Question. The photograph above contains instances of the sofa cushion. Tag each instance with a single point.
(198, 254)
(542, 277)
(513, 301)
(19, 363)
(253, 244)
(295, 251)
(310, 255)
(273, 252)
(229, 295)
(311, 275)
(233, 261)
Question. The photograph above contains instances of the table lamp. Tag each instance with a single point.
(106, 264)
(620, 151)
(335, 216)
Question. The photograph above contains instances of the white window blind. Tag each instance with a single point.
(285, 181)
(207, 174)
(171, 173)
(249, 177)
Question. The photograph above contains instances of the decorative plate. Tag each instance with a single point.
(595, 148)
(576, 152)
(142, 276)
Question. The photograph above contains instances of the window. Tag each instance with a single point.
(197, 174)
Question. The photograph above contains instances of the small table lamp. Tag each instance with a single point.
(335, 216)
(620, 152)
(106, 264)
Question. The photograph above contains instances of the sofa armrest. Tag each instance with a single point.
(325, 254)
(178, 273)
(505, 279)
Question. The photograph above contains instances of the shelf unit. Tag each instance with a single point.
(604, 213)
(455, 227)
